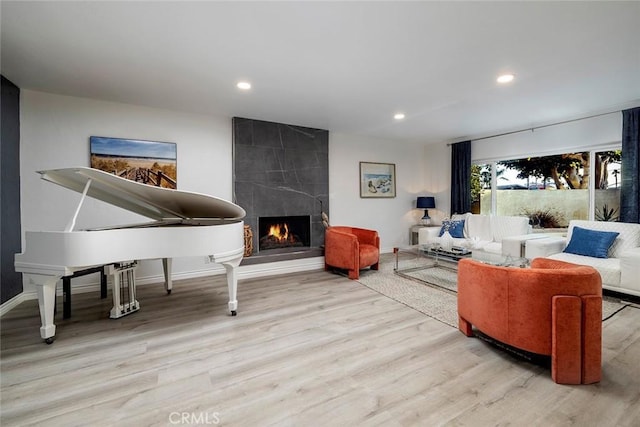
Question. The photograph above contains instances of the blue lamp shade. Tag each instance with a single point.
(426, 203)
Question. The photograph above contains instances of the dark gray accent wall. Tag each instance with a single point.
(10, 234)
(281, 169)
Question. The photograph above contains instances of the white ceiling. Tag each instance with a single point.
(343, 66)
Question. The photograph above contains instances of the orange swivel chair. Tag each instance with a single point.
(351, 249)
(553, 308)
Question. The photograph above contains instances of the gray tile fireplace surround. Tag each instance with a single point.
(281, 170)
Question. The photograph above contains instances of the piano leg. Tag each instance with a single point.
(166, 266)
(232, 283)
(46, 290)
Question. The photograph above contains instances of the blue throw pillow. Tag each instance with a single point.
(455, 228)
(590, 242)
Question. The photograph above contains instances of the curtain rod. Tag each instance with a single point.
(532, 129)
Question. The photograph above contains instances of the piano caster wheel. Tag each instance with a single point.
(234, 313)
(169, 292)
(49, 340)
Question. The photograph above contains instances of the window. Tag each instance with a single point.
(481, 180)
(607, 186)
(550, 190)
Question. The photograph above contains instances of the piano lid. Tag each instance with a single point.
(153, 202)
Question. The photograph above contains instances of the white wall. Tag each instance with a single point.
(437, 179)
(563, 138)
(55, 133)
(391, 217)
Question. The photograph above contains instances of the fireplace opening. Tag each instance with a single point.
(278, 232)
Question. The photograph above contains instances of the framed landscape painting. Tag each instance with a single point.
(149, 162)
(377, 180)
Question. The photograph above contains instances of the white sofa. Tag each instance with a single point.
(486, 235)
(620, 271)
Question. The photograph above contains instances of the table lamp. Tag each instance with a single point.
(426, 203)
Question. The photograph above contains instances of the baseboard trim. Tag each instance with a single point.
(9, 305)
(244, 272)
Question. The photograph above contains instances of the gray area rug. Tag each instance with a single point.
(431, 300)
(432, 291)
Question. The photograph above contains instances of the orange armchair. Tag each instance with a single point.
(553, 308)
(351, 249)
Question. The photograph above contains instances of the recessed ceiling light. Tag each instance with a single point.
(505, 78)
(399, 116)
(244, 85)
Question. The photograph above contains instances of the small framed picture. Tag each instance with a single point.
(377, 180)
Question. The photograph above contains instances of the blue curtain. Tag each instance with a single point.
(461, 177)
(630, 189)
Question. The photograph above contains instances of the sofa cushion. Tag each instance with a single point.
(489, 247)
(505, 226)
(477, 243)
(369, 255)
(590, 242)
(609, 268)
(454, 227)
(479, 227)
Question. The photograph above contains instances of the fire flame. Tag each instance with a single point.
(280, 232)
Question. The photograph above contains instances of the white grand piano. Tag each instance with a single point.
(184, 224)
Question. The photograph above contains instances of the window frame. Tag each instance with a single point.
(592, 150)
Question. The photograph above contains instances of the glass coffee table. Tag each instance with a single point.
(433, 265)
(429, 264)
(428, 256)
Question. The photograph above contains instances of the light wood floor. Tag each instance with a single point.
(306, 349)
